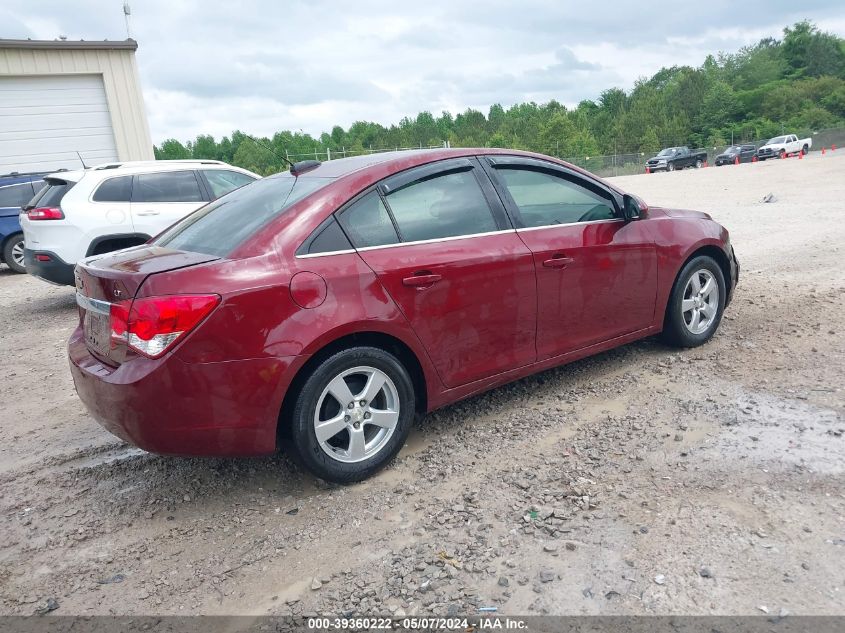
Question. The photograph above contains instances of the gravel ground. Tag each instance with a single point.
(645, 480)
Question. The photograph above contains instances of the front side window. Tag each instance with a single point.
(448, 205)
(114, 190)
(16, 195)
(545, 199)
(367, 222)
(220, 226)
(168, 186)
(222, 181)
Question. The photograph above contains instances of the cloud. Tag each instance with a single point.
(262, 66)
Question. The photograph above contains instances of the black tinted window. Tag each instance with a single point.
(330, 239)
(168, 186)
(367, 222)
(15, 195)
(444, 206)
(544, 199)
(222, 181)
(51, 194)
(114, 190)
(220, 226)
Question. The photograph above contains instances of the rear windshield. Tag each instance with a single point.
(218, 227)
(51, 194)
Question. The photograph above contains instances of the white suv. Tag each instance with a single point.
(114, 206)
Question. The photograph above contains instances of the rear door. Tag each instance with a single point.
(160, 199)
(596, 274)
(440, 242)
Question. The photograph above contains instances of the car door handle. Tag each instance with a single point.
(149, 212)
(558, 261)
(421, 280)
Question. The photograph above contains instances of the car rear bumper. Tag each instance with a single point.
(171, 407)
(53, 270)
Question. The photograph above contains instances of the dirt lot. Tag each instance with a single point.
(642, 481)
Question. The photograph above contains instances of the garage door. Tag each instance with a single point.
(45, 120)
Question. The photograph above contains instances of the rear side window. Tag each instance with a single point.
(51, 194)
(449, 205)
(114, 190)
(367, 222)
(167, 186)
(222, 181)
(544, 199)
(220, 226)
(16, 195)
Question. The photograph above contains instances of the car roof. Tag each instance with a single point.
(15, 177)
(106, 170)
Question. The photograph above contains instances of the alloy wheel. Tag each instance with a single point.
(356, 414)
(700, 303)
(17, 253)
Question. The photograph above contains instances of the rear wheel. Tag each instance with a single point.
(698, 163)
(353, 414)
(13, 253)
(806, 148)
(696, 304)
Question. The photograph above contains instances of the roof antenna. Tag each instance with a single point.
(127, 11)
(84, 166)
(262, 145)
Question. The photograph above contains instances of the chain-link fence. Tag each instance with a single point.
(634, 162)
(618, 164)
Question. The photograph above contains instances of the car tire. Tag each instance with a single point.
(13, 253)
(693, 313)
(782, 153)
(333, 434)
(805, 149)
(698, 164)
(671, 167)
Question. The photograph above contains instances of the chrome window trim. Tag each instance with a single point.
(414, 243)
(345, 251)
(438, 239)
(557, 226)
(95, 305)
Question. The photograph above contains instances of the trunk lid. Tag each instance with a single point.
(113, 279)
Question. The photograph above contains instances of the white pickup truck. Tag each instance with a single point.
(783, 146)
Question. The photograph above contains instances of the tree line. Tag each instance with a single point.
(793, 84)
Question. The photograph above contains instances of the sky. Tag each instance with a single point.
(260, 66)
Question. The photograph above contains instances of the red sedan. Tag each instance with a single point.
(324, 307)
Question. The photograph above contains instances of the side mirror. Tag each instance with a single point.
(632, 207)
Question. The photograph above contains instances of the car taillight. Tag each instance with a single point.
(153, 324)
(45, 213)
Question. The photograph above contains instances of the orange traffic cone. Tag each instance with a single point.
(754, 158)
(647, 170)
(801, 155)
(736, 160)
(833, 148)
(823, 150)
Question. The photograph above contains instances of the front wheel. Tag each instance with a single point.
(353, 414)
(696, 304)
(671, 167)
(783, 153)
(13, 253)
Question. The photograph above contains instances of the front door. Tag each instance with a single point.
(441, 245)
(596, 274)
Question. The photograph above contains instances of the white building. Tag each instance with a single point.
(61, 97)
